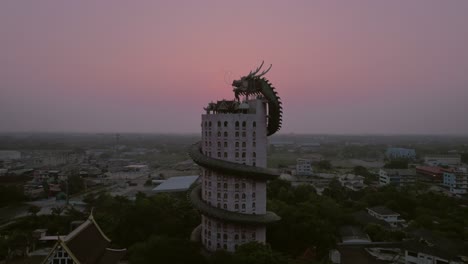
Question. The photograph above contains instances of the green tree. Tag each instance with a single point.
(33, 210)
(324, 165)
(257, 253)
(160, 249)
(397, 164)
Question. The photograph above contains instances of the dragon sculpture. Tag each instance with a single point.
(254, 84)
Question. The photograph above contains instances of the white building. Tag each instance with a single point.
(457, 180)
(351, 181)
(383, 213)
(398, 177)
(303, 167)
(233, 158)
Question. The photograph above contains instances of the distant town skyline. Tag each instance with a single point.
(357, 67)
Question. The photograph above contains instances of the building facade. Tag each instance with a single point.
(400, 153)
(303, 167)
(233, 158)
(398, 177)
(457, 181)
(445, 160)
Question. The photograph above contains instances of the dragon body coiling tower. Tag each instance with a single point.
(233, 158)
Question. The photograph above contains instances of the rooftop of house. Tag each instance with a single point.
(352, 232)
(364, 219)
(425, 241)
(401, 172)
(382, 210)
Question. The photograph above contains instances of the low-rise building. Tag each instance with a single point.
(398, 177)
(353, 234)
(352, 182)
(430, 173)
(444, 160)
(10, 155)
(426, 248)
(303, 167)
(400, 153)
(457, 180)
(385, 214)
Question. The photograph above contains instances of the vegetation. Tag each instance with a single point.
(11, 194)
(397, 164)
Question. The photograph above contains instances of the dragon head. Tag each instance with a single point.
(245, 84)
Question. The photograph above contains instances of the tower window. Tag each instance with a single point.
(225, 144)
(225, 185)
(244, 124)
(243, 206)
(225, 123)
(209, 124)
(244, 144)
(237, 124)
(243, 196)
(237, 154)
(237, 134)
(244, 134)
(225, 154)
(237, 186)
(254, 154)
(219, 154)
(225, 196)
(219, 195)
(236, 197)
(219, 144)
(253, 195)
(225, 206)
(254, 124)
(226, 134)
(254, 134)
(219, 133)
(253, 205)
(243, 154)
(219, 123)
(236, 206)
(237, 144)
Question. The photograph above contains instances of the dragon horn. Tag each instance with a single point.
(265, 71)
(252, 74)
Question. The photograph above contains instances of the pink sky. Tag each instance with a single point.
(145, 66)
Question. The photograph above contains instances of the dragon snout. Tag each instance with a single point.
(236, 83)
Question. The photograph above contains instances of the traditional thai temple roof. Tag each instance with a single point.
(86, 244)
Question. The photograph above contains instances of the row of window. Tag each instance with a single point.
(226, 124)
(226, 134)
(236, 206)
(237, 144)
(225, 155)
(225, 195)
(226, 236)
(225, 185)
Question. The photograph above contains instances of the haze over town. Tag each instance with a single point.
(392, 67)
